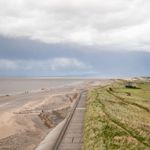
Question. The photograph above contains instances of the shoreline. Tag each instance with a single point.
(42, 89)
(26, 119)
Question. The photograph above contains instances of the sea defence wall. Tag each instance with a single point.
(50, 139)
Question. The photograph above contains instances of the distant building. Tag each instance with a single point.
(130, 85)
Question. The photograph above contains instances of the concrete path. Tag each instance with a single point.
(72, 139)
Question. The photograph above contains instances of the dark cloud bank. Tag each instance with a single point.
(22, 57)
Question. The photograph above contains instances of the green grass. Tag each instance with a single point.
(116, 121)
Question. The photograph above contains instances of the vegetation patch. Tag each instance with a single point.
(117, 120)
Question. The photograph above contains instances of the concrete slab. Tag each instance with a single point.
(72, 139)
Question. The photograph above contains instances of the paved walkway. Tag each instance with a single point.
(72, 139)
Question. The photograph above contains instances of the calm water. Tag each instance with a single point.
(18, 85)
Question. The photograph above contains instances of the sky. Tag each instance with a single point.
(75, 38)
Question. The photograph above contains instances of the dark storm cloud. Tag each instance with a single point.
(28, 57)
(16, 48)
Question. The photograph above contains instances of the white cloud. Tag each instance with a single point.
(7, 64)
(66, 63)
(117, 24)
(55, 64)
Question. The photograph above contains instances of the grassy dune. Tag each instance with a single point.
(118, 118)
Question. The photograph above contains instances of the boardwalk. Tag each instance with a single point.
(72, 139)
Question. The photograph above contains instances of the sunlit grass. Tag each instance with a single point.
(116, 120)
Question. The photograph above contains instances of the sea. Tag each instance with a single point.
(10, 86)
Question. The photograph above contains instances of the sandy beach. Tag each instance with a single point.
(26, 118)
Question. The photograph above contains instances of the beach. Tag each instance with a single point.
(27, 117)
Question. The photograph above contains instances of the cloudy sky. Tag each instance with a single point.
(74, 38)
